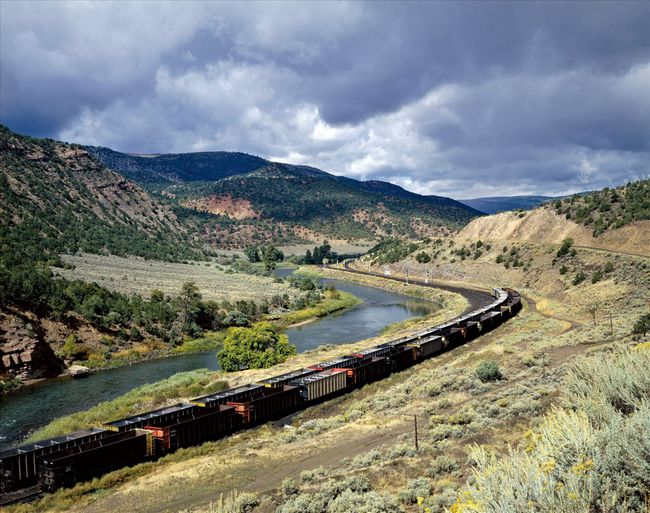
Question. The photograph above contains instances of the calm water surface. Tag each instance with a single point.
(35, 406)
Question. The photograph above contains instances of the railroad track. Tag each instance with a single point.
(475, 298)
(47, 465)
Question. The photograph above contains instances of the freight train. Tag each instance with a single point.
(63, 461)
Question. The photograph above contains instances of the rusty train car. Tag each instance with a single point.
(66, 460)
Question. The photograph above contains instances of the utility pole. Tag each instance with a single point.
(407, 276)
(426, 280)
(611, 324)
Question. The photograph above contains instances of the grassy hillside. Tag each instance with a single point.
(608, 209)
(57, 197)
(234, 199)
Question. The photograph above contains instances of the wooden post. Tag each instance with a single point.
(611, 324)
(415, 421)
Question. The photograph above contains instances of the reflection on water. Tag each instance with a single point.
(32, 407)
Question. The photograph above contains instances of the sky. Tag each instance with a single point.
(460, 99)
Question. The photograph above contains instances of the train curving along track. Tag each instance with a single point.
(63, 461)
(475, 298)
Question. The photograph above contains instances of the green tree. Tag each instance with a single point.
(252, 254)
(271, 255)
(257, 347)
(188, 301)
(642, 325)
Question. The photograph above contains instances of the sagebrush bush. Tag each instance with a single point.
(592, 456)
(353, 494)
(420, 487)
(488, 371)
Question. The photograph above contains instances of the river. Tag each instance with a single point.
(34, 406)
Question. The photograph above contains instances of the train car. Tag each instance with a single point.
(82, 462)
(232, 394)
(19, 466)
(337, 363)
(490, 321)
(373, 352)
(322, 384)
(472, 330)
(367, 370)
(167, 415)
(284, 379)
(454, 337)
(427, 346)
(402, 358)
(214, 424)
(269, 404)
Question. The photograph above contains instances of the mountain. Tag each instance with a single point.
(181, 167)
(612, 219)
(59, 198)
(234, 199)
(495, 204)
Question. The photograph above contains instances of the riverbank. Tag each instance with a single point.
(334, 301)
(167, 392)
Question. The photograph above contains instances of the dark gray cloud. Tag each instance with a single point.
(450, 98)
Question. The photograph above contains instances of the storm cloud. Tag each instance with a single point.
(460, 99)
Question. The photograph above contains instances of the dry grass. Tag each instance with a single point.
(367, 433)
(139, 276)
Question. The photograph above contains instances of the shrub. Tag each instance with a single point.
(565, 247)
(642, 325)
(579, 278)
(442, 465)
(422, 257)
(591, 456)
(563, 269)
(488, 371)
(596, 276)
(420, 487)
(609, 267)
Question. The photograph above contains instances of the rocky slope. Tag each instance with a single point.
(546, 226)
(60, 198)
(24, 353)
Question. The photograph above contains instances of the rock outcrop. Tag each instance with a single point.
(23, 351)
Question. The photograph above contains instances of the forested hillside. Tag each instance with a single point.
(234, 199)
(56, 197)
(177, 167)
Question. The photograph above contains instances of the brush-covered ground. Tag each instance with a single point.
(356, 453)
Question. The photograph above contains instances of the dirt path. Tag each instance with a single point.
(255, 474)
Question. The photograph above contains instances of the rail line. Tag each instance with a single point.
(62, 461)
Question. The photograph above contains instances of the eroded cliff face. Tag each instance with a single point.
(24, 354)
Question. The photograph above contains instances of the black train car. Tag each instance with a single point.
(19, 466)
(367, 370)
(83, 462)
(268, 404)
(167, 415)
(402, 357)
(210, 426)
